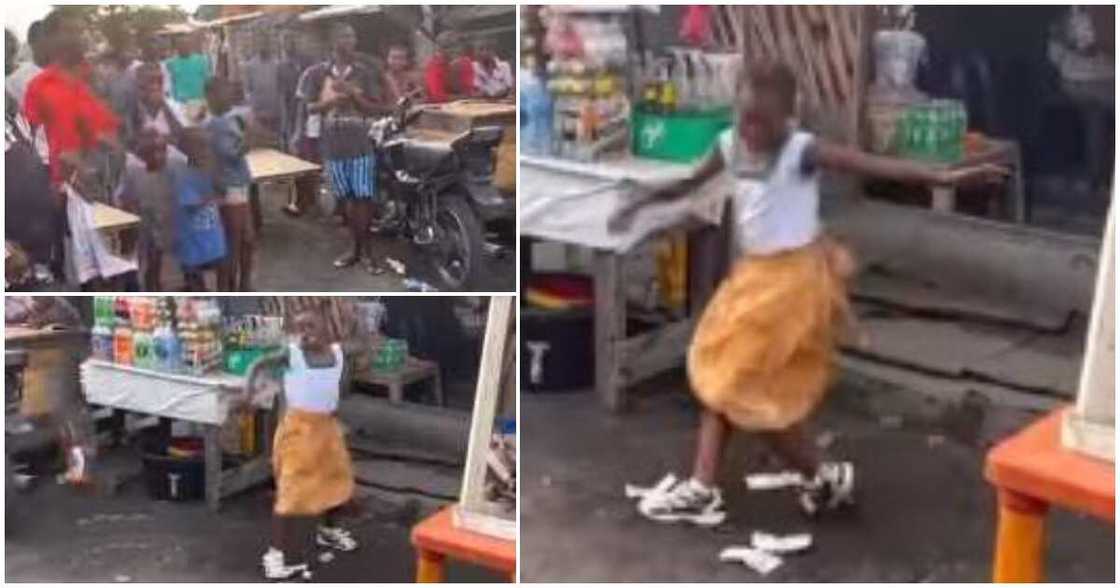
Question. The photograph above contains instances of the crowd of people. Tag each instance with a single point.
(156, 129)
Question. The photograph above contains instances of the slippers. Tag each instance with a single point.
(291, 210)
(345, 261)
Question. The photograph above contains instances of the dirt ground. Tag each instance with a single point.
(925, 512)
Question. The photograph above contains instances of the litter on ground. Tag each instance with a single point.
(774, 480)
(781, 544)
(755, 559)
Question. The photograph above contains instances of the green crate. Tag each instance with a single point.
(682, 137)
(238, 361)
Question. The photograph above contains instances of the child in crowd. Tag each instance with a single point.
(310, 461)
(147, 189)
(227, 139)
(761, 355)
(200, 242)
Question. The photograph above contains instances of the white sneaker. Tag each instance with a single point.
(336, 538)
(832, 488)
(277, 570)
(688, 501)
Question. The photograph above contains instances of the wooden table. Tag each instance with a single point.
(414, 370)
(271, 165)
(51, 372)
(205, 400)
(437, 538)
(115, 224)
(622, 359)
(1031, 472)
(997, 152)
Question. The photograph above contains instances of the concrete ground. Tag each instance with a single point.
(54, 534)
(296, 254)
(925, 513)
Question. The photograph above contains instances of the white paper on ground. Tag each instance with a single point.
(773, 480)
(633, 491)
(755, 559)
(781, 544)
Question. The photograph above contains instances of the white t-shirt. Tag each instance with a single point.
(16, 84)
(495, 83)
(782, 212)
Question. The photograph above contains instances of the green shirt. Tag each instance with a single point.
(188, 76)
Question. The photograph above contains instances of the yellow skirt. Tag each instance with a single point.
(762, 352)
(311, 464)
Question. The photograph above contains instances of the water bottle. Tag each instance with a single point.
(536, 116)
(102, 341)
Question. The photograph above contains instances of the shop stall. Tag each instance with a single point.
(603, 117)
(182, 360)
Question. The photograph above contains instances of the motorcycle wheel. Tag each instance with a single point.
(457, 253)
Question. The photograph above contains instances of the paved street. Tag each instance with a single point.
(925, 512)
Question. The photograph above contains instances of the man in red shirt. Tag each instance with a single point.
(61, 101)
(447, 77)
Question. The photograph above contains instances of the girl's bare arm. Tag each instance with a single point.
(622, 217)
(847, 159)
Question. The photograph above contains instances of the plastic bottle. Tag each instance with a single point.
(537, 104)
(122, 344)
(101, 341)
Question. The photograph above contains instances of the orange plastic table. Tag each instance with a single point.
(436, 538)
(1032, 471)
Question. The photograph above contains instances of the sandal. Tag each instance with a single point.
(292, 210)
(345, 261)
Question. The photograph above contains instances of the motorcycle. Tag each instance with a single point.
(439, 193)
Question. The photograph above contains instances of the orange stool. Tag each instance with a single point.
(437, 538)
(1032, 471)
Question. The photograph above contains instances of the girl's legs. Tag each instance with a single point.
(795, 447)
(290, 552)
(331, 533)
(710, 442)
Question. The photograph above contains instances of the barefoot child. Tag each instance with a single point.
(761, 354)
(310, 461)
(200, 242)
(146, 189)
(227, 139)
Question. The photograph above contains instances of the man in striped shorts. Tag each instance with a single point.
(345, 92)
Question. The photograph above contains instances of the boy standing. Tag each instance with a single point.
(345, 92)
(200, 242)
(147, 190)
(227, 141)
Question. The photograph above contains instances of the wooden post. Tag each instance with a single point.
(610, 327)
(212, 451)
(472, 502)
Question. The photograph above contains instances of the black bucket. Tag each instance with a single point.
(557, 350)
(170, 477)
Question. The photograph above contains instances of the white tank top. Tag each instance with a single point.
(312, 389)
(782, 211)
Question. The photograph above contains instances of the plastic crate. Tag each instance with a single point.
(681, 137)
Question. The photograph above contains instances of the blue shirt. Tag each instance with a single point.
(228, 143)
(199, 236)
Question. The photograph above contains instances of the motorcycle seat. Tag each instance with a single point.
(428, 157)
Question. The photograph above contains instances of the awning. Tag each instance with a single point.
(337, 11)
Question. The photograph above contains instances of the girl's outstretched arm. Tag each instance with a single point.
(842, 158)
(620, 220)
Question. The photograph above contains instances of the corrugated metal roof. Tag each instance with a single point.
(337, 11)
